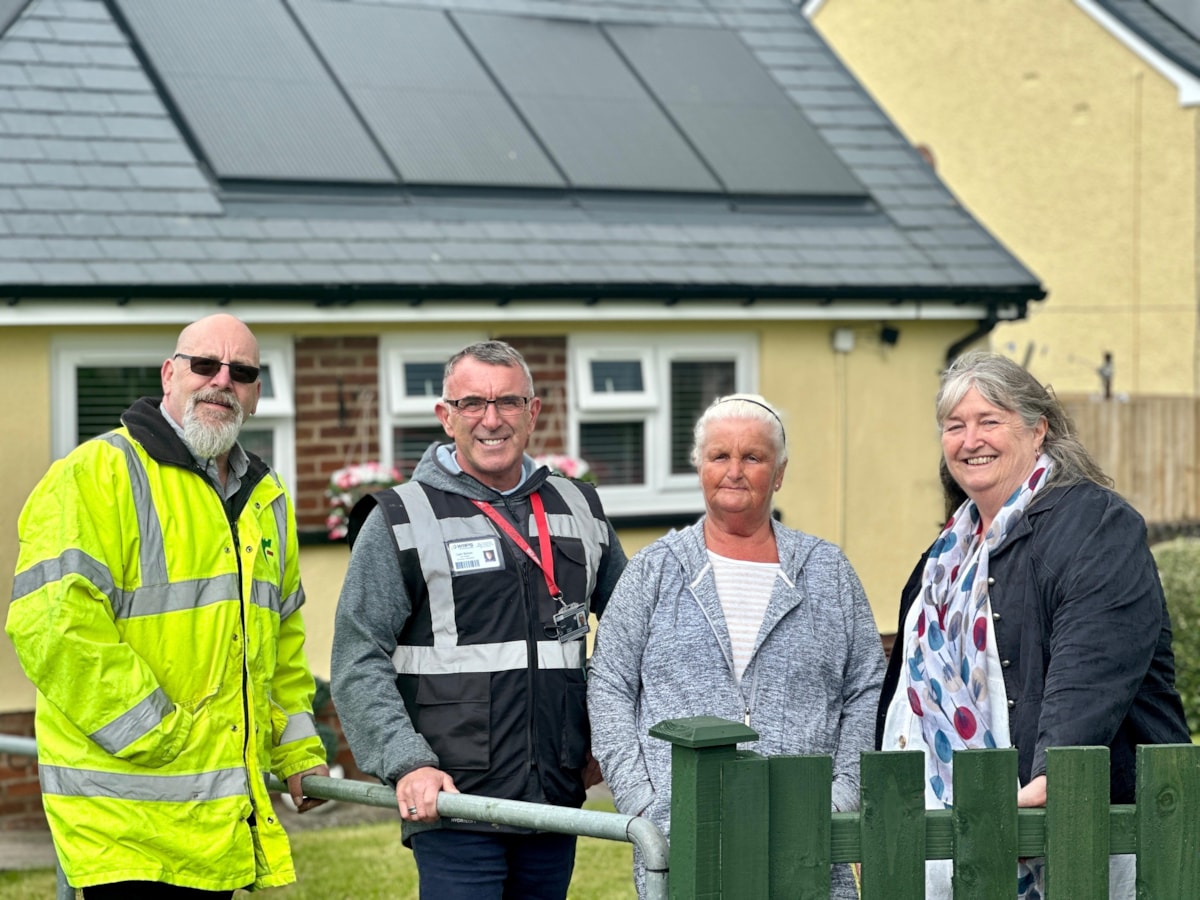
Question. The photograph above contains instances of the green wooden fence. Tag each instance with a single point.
(745, 827)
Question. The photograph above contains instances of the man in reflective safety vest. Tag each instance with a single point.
(156, 610)
(458, 653)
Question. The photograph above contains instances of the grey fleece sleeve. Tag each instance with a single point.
(614, 684)
(863, 678)
(371, 612)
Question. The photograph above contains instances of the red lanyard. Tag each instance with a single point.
(546, 563)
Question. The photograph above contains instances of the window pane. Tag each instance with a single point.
(423, 379)
(105, 392)
(410, 444)
(612, 376)
(615, 451)
(694, 385)
(260, 443)
(268, 386)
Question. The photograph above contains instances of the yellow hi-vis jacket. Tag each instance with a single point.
(164, 637)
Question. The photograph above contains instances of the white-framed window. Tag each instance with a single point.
(95, 379)
(635, 399)
(410, 382)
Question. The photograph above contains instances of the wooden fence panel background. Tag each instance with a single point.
(1148, 446)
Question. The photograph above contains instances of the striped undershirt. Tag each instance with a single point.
(744, 589)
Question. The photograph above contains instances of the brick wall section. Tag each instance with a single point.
(337, 416)
(547, 360)
(20, 794)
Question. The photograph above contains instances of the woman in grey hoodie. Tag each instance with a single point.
(737, 617)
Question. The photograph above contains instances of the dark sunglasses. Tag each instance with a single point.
(206, 367)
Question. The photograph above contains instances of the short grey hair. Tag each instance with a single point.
(1005, 384)
(494, 353)
(741, 406)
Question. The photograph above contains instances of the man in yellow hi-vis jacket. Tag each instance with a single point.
(156, 609)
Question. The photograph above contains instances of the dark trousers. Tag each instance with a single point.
(148, 890)
(473, 865)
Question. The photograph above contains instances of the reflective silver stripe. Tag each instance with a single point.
(69, 562)
(582, 524)
(553, 655)
(501, 657)
(152, 557)
(265, 595)
(172, 788)
(300, 726)
(279, 507)
(291, 603)
(137, 722)
(427, 537)
(156, 599)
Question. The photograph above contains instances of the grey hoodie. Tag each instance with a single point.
(663, 652)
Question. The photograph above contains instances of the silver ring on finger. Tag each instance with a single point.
(412, 810)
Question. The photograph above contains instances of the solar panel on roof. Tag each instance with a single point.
(253, 92)
(734, 113)
(590, 112)
(425, 96)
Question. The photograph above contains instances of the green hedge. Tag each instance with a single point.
(1179, 568)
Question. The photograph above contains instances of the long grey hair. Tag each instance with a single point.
(1003, 383)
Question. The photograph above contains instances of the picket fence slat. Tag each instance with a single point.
(1168, 813)
(1077, 823)
(800, 839)
(723, 800)
(744, 850)
(985, 825)
(893, 826)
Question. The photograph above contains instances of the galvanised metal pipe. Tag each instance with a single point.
(17, 745)
(543, 817)
(642, 833)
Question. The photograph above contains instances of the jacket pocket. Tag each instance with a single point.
(454, 715)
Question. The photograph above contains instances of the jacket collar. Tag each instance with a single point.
(1043, 502)
(148, 427)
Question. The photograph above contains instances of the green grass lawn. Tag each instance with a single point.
(368, 862)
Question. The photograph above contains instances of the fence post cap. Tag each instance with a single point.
(703, 731)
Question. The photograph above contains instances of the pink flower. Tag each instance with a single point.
(570, 466)
(350, 484)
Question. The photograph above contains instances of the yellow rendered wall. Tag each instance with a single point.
(24, 456)
(863, 447)
(1072, 151)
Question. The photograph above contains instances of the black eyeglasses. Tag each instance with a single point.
(207, 367)
(475, 407)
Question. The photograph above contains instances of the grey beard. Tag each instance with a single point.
(211, 439)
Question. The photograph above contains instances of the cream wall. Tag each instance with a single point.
(25, 452)
(862, 472)
(862, 444)
(1072, 151)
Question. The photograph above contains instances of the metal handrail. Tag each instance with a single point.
(642, 833)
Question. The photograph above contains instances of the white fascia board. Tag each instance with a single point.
(145, 312)
(1185, 82)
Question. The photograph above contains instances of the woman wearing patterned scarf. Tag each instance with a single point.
(1036, 619)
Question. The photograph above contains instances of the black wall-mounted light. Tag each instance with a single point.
(889, 335)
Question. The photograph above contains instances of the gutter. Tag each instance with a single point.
(985, 327)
